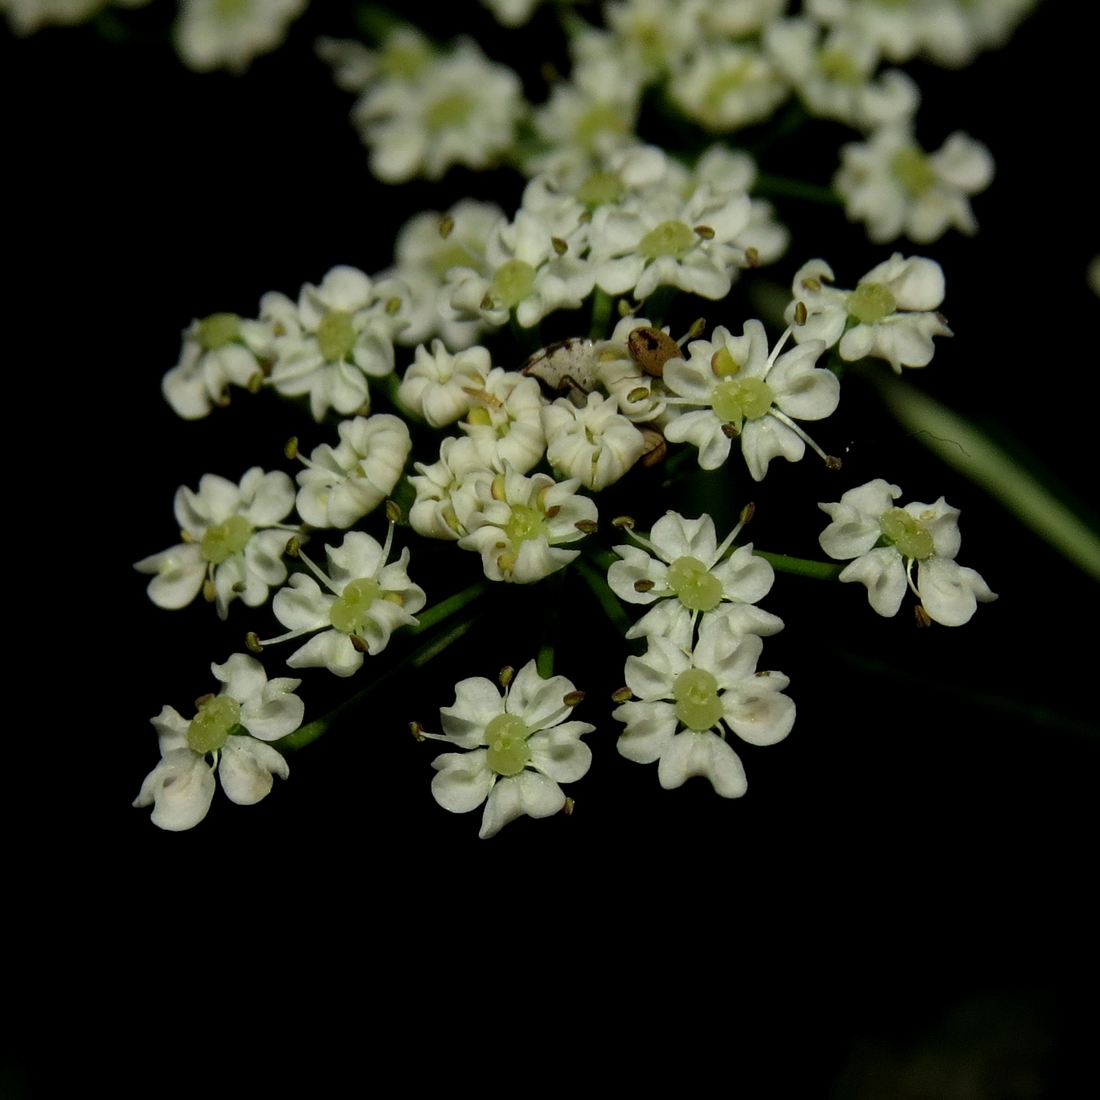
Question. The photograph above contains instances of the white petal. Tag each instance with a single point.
(463, 781)
(693, 753)
(247, 769)
(182, 786)
(527, 793)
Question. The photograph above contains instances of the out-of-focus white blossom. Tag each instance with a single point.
(228, 34)
(724, 86)
(213, 356)
(891, 314)
(886, 541)
(890, 183)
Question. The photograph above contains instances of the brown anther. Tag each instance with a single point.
(553, 511)
(203, 699)
(504, 677)
(941, 318)
(223, 401)
(705, 232)
(573, 698)
(567, 807)
(622, 695)
(640, 394)
(239, 587)
(587, 526)
(833, 462)
(644, 585)
(209, 592)
(393, 305)
(924, 620)
(752, 257)
(487, 302)
(698, 327)
(290, 447)
(268, 365)
(730, 432)
(446, 226)
(357, 643)
(417, 730)
(252, 642)
(585, 217)
(811, 284)
(255, 382)
(293, 546)
(186, 536)
(748, 512)
(800, 313)
(393, 511)
(561, 247)
(626, 522)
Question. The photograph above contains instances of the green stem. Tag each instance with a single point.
(445, 608)
(601, 314)
(802, 567)
(553, 601)
(597, 582)
(786, 188)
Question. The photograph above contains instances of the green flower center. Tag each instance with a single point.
(735, 400)
(839, 65)
(451, 255)
(506, 735)
(526, 523)
(349, 612)
(228, 10)
(870, 302)
(405, 58)
(600, 187)
(225, 539)
(336, 335)
(598, 119)
(449, 111)
(913, 170)
(726, 82)
(218, 329)
(513, 281)
(671, 238)
(697, 702)
(211, 727)
(908, 534)
(693, 582)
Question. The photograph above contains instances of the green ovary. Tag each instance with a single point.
(210, 728)
(697, 702)
(506, 735)
(697, 587)
(452, 254)
(349, 612)
(225, 539)
(735, 400)
(526, 523)
(336, 335)
(912, 169)
(838, 65)
(512, 283)
(600, 187)
(870, 302)
(671, 238)
(449, 111)
(910, 537)
(218, 329)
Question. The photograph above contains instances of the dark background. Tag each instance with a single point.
(916, 854)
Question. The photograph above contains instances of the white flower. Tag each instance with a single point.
(891, 313)
(455, 109)
(684, 698)
(231, 728)
(212, 357)
(596, 444)
(343, 484)
(895, 187)
(216, 34)
(886, 540)
(234, 542)
(325, 346)
(518, 523)
(742, 390)
(440, 487)
(520, 749)
(505, 421)
(366, 601)
(437, 385)
(687, 576)
(724, 86)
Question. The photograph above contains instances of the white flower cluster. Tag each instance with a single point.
(698, 678)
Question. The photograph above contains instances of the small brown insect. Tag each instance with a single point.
(651, 349)
(566, 368)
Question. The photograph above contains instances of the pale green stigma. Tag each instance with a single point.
(671, 238)
(838, 65)
(598, 119)
(526, 523)
(336, 335)
(735, 400)
(349, 612)
(210, 728)
(231, 10)
(452, 254)
(405, 56)
(225, 539)
(449, 111)
(697, 702)
(909, 535)
(693, 582)
(218, 329)
(913, 170)
(513, 281)
(600, 187)
(870, 302)
(506, 735)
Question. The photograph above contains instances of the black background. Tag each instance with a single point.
(924, 838)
